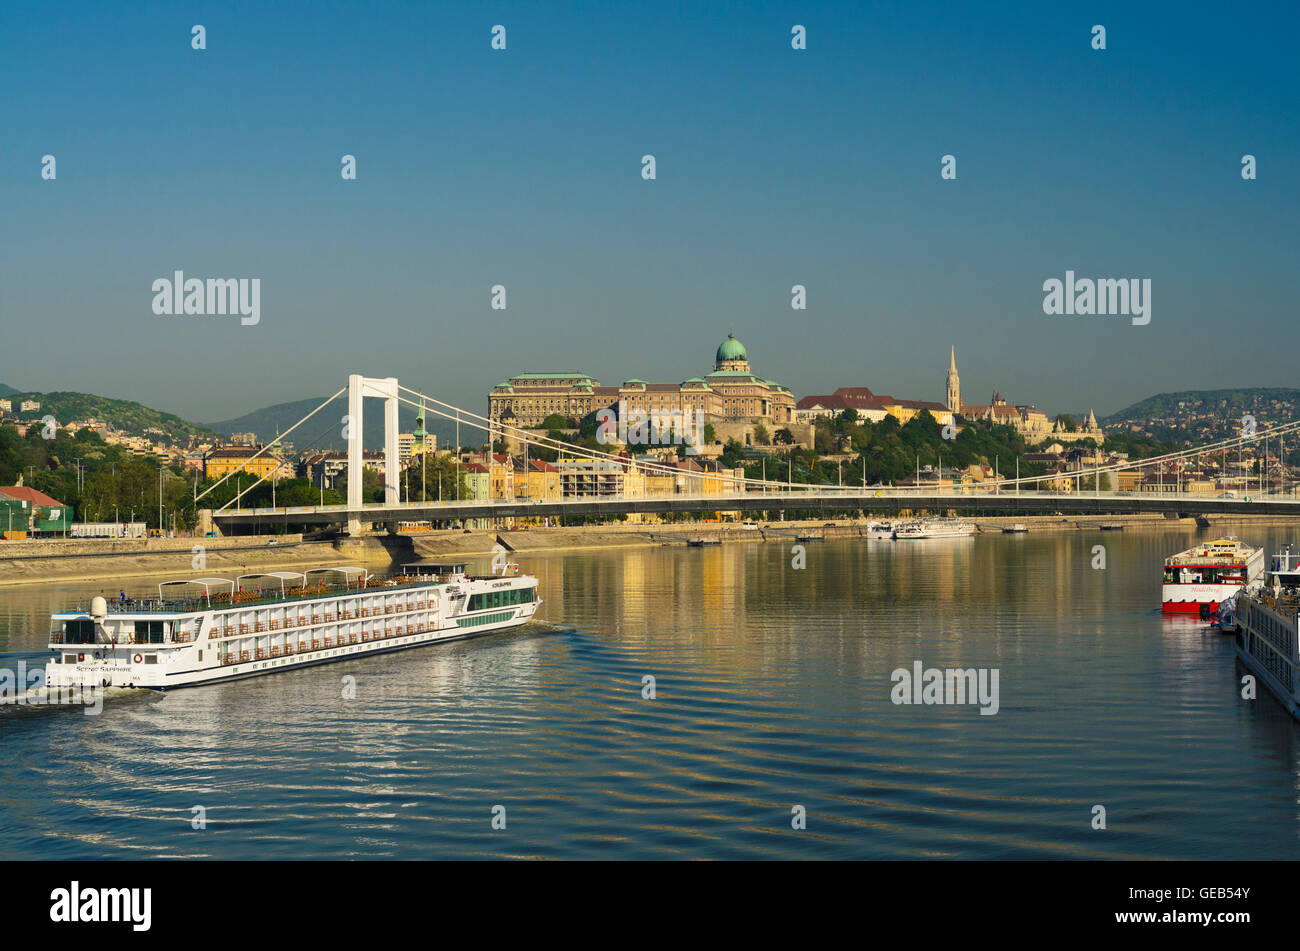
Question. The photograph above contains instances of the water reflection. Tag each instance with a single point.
(772, 688)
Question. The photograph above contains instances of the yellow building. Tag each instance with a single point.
(905, 410)
(540, 481)
(222, 462)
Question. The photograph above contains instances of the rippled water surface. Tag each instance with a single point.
(772, 689)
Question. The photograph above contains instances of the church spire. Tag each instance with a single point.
(953, 384)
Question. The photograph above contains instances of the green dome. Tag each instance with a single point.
(731, 349)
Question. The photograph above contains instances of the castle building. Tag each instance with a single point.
(731, 392)
(1028, 420)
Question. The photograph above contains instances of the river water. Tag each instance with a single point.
(772, 691)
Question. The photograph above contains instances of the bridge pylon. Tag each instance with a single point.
(359, 387)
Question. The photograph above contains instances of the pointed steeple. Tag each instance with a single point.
(952, 397)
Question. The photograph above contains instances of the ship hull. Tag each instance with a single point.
(1190, 598)
(1263, 676)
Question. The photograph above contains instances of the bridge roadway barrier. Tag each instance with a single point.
(875, 501)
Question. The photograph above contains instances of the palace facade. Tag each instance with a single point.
(732, 392)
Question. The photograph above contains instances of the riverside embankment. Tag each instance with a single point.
(52, 560)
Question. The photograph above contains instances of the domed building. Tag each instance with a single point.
(731, 356)
(731, 393)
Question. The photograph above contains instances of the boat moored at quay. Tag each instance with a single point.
(1196, 581)
(1266, 620)
(934, 528)
(204, 630)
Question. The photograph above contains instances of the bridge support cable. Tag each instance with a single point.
(530, 437)
(490, 426)
(262, 450)
(1235, 442)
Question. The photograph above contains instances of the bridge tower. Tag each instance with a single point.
(359, 387)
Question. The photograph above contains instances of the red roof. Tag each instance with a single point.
(857, 397)
(28, 494)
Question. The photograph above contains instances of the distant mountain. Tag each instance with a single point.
(7, 390)
(123, 415)
(325, 429)
(1204, 415)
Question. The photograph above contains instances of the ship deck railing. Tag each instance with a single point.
(321, 644)
(244, 599)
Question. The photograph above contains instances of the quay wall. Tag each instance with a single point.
(63, 561)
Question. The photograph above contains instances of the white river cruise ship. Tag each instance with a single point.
(203, 630)
(1265, 621)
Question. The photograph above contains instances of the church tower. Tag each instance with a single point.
(953, 400)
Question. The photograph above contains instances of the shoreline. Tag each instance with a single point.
(61, 561)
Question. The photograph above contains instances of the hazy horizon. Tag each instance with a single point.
(522, 167)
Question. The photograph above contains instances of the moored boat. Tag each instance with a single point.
(934, 528)
(1205, 574)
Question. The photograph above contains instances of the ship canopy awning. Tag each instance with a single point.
(281, 576)
(347, 572)
(205, 583)
(434, 567)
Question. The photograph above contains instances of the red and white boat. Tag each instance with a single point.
(1207, 574)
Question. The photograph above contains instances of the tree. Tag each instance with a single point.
(784, 437)
(554, 421)
(761, 435)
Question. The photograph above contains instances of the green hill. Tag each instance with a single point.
(1196, 416)
(123, 415)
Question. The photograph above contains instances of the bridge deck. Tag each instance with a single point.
(874, 500)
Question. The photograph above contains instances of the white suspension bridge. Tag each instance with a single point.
(992, 496)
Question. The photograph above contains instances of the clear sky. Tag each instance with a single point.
(523, 168)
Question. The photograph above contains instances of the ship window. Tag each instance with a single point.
(151, 658)
(148, 632)
(69, 658)
(79, 632)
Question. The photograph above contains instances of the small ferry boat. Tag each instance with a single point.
(880, 530)
(934, 528)
(1266, 617)
(1207, 573)
(204, 630)
(1017, 529)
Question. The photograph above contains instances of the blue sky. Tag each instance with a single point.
(775, 167)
